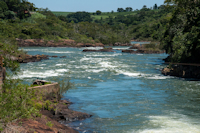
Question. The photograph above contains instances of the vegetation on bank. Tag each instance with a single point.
(181, 37)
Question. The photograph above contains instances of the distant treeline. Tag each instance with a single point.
(174, 24)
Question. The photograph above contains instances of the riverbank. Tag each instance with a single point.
(62, 43)
(183, 70)
(52, 111)
(123, 92)
(53, 43)
(48, 122)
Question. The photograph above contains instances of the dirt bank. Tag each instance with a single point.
(52, 43)
(48, 121)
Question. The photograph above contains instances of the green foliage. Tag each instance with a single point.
(65, 85)
(49, 124)
(98, 12)
(34, 17)
(16, 102)
(120, 10)
(9, 52)
(3, 6)
(79, 17)
(181, 37)
(61, 13)
(153, 46)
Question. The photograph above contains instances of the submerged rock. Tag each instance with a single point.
(31, 58)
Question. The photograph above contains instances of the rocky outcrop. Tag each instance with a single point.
(52, 43)
(100, 50)
(183, 71)
(144, 51)
(89, 45)
(48, 122)
(122, 44)
(66, 114)
(53, 110)
(30, 58)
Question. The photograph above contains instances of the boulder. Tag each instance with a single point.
(31, 58)
(40, 82)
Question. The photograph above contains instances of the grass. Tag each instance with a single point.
(49, 124)
(61, 13)
(104, 15)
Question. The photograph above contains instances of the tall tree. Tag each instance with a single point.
(120, 10)
(155, 6)
(129, 9)
(98, 12)
(181, 38)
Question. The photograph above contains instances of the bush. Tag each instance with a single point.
(16, 101)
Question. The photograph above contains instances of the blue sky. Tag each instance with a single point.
(93, 5)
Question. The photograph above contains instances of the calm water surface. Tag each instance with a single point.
(125, 93)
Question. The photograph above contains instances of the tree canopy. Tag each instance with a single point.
(181, 38)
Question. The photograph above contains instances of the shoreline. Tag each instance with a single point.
(51, 118)
(182, 70)
(63, 43)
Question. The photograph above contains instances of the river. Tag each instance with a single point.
(125, 93)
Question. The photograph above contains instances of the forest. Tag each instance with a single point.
(175, 25)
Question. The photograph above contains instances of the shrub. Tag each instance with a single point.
(16, 101)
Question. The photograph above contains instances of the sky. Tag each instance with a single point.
(93, 5)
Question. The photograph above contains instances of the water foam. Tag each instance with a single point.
(171, 124)
(93, 48)
(132, 74)
(104, 55)
(60, 64)
(59, 52)
(61, 70)
(44, 74)
(159, 77)
(121, 47)
(107, 65)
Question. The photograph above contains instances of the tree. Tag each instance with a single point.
(181, 38)
(129, 9)
(3, 9)
(144, 7)
(98, 12)
(155, 6)
(120, 10)
(3, 6)
(79, 17)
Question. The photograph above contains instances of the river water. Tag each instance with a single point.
(125, 93)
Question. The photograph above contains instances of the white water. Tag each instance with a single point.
(125, 93)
